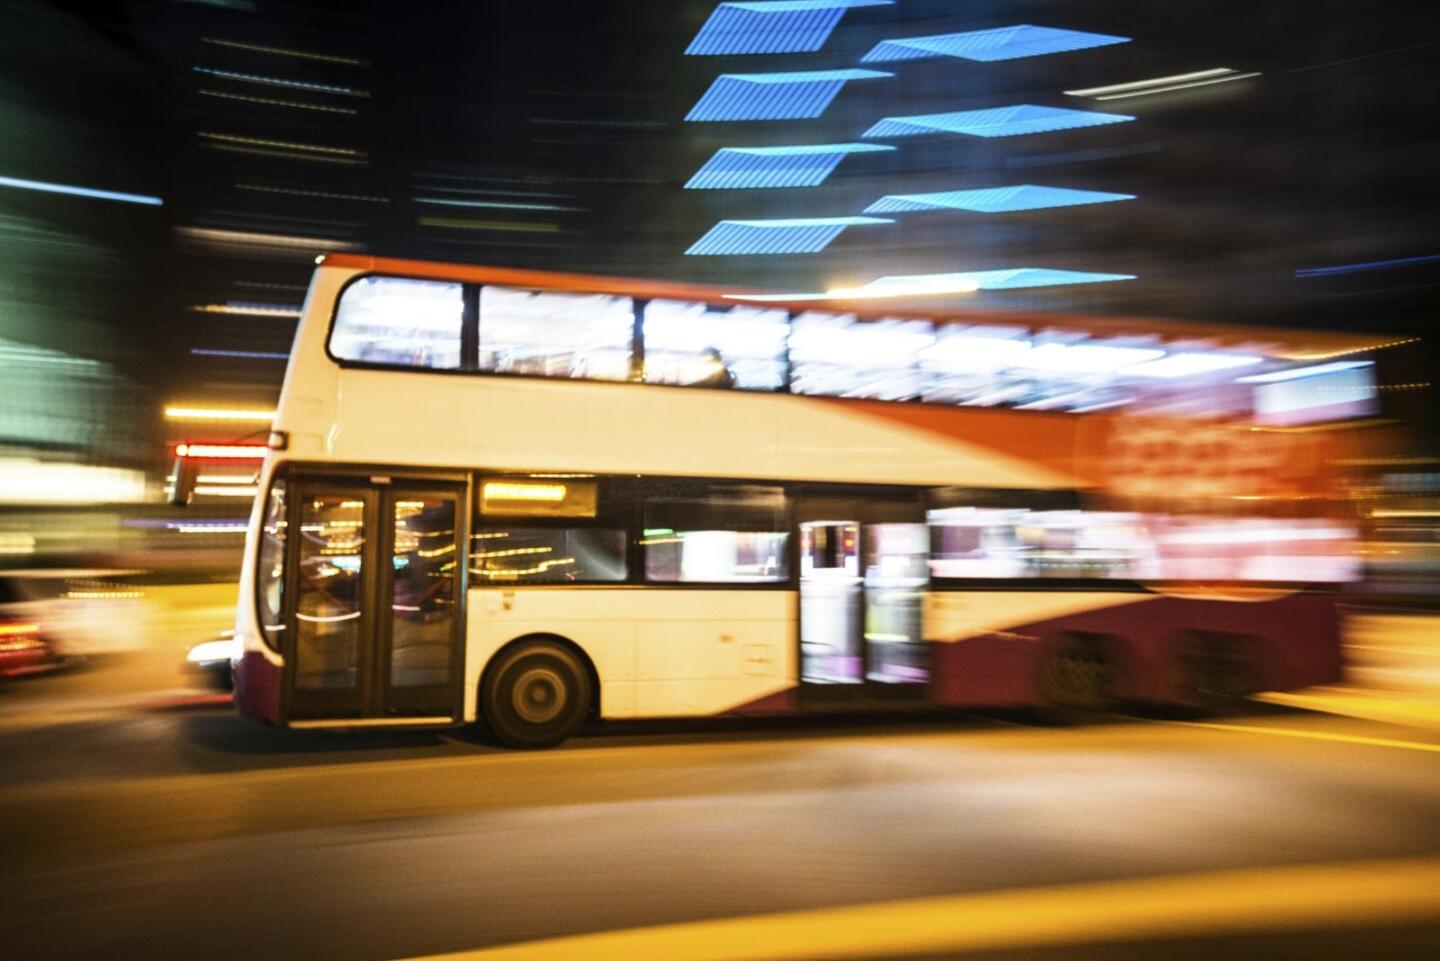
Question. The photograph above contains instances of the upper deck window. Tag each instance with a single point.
(698, 345)
(836, 355)
(553, 334)
(400, 322)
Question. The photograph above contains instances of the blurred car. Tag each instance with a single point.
(84, 612)
(211, 661)
(22, 648)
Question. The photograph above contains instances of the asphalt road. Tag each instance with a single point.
(188, 832)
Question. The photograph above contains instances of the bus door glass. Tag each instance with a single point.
(863, 574)
(897, 572)
(375, 620)
(830, 603)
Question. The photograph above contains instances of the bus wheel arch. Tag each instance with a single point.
(1080, 674)
(1217, 669)
(537, 690)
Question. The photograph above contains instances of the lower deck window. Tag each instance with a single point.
(718, 557)
(548, 555)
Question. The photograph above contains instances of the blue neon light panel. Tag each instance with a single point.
(994, 200)
(1002, 43)
(800, 166)
(774, 96)
(1012, 279)
(1013, 121)
(772, 26)
(805, 236)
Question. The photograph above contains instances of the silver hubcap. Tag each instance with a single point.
(538, 695)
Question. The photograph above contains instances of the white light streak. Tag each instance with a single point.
(218, 413)
(282, 82)
(1152, 82)
(1181, 86)
(49, 188)
(1297, 372)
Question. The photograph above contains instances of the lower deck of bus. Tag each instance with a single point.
(380, 596)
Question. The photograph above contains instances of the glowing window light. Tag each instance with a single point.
(49, 188)
(322, 194)
(246, 238)
(1083, 358)
(1000, 43)
(752, 167)
(286, 52)
(1188, 364)
(492, 204)
(285, 144)
(222, 451)
(282, 82)
(992, 200)
(1298, 372)
(201, 527)
(772, 26)
(248, 309)
(218, 413)
(775, 236)
(1012, 121)
(774, 96)
(272, 102)
(510, 491)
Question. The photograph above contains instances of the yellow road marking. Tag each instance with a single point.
(1315, 735)
(1265, 899)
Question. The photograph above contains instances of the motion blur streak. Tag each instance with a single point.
(1227, 901)
(43, 187)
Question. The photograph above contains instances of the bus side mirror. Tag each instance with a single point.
(187, 471)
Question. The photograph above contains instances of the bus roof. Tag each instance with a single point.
(1287, 343)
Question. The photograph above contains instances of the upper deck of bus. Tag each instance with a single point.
(447, 365)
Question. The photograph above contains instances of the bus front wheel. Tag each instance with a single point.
(536, 695)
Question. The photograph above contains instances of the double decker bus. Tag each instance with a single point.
(533, 499)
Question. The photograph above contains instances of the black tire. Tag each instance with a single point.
(1077, 679)
(536, 695)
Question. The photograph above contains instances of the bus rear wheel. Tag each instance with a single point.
(536, 695)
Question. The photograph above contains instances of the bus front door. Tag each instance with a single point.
(862, 586)
(375, 626)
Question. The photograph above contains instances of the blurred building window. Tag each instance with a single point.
(695, 344)
(703, 532)
(549, 334)
(835, 355)
(270, 577)
(399, 322)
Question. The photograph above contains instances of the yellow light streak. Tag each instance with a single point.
(218, 413)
